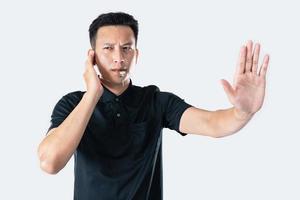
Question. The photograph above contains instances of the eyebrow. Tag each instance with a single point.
(128, 43)
(112, 44)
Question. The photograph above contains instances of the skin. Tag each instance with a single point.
(58, 146)
(114, 51)
(111, 53)
(246, 95)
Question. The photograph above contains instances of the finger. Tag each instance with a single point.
(249, 56)
(100, 78)
(96, 68)
(242, 59)
(264, 67)
(255, 58)
(228, 89)
(90, 58)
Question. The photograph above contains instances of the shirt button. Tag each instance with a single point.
(117, 99)
(118, 114)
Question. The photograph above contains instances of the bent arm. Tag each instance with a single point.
(219, 123)
(59, 145)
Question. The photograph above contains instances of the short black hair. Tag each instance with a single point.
(112, 18)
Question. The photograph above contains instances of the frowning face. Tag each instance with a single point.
(116, 53)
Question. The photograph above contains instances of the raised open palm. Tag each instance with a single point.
(248, 89)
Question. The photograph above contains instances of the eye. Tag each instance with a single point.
(108, 47)
(127, 48)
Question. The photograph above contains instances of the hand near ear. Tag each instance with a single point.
(91, 78)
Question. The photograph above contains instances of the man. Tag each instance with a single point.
(114, 128)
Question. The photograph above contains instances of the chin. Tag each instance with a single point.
(118, 81)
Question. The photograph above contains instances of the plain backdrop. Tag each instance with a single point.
(186, 47)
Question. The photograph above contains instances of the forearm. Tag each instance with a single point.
(57, 148)
(228, 121)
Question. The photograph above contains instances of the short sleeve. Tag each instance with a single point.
(172, 110)
(60, 112)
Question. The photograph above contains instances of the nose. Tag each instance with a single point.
(118, 57)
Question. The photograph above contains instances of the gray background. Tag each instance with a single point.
(185, 48)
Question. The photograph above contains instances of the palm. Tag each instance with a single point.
(248, 90)
(249, 93)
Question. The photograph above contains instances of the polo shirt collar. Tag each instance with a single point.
(110, 96)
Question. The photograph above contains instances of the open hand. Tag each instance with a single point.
(248, 89)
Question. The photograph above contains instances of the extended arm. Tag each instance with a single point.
(246, 95)
(217, 123)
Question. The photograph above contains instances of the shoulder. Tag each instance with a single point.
(147, 88)
(72, 98)
(155, 91)
(75, 94)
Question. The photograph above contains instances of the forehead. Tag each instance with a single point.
(115, 34)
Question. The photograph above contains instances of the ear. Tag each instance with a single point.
(136, 55)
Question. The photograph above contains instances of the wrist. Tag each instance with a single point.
(91, 96)
(241, 115)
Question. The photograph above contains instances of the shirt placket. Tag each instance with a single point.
(118, 114)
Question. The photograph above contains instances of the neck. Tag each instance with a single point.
(117, 89)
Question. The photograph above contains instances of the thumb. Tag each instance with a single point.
(228, 89)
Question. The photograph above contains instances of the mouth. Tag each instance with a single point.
(120, 72)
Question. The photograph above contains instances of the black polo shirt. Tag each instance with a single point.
(120, 154)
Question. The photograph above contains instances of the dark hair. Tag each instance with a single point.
(112, 18)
